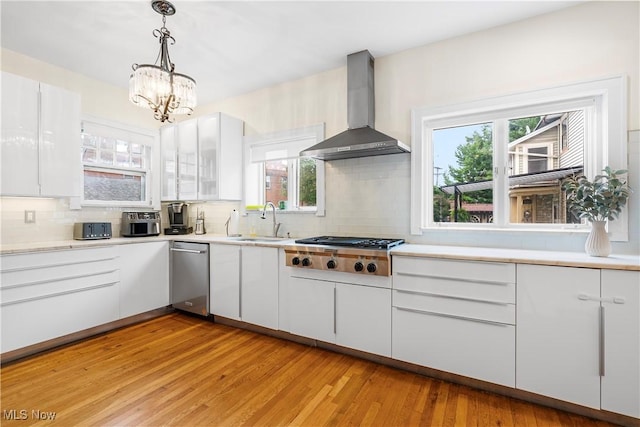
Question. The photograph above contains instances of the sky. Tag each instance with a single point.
(445, 142)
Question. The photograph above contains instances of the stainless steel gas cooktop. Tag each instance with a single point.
(360, 255)
(352, 242)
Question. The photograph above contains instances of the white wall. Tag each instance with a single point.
(371, 196)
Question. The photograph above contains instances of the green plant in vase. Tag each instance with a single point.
(597, 201)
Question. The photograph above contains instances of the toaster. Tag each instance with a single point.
(91, 230)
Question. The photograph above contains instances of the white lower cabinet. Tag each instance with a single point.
(620, 382)
(225, 280)
(46, 295)
(144, 277)
(557, 350)
(312, 308)
(244, 283)
(579, 336)
(455, 316)
(259, 286)
(363, 318)
(351, 315)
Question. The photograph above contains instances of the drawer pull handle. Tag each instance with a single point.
(470, 319)
(60, 264)
(429, 294)
(55, 294)
(456, 279)
(58, 279)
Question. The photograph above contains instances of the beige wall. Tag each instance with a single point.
(97, 98)
(592, 40)
(588, 41)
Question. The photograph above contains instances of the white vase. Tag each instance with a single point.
(597, 243)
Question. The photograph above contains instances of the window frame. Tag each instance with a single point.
(146, 172)
(254, 173)
(605, 144)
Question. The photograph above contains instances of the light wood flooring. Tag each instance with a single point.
(182, 371)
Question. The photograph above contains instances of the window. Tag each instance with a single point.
(274, 171)
(116, 164)
(501, 163)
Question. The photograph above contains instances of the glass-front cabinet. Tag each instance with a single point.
(202, 159)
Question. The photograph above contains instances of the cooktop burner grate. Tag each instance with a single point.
(352, 242)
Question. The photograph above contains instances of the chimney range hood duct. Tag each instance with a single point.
(361, 139)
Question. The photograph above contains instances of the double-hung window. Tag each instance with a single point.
(116, 163)
(275, 172)
(501, 163)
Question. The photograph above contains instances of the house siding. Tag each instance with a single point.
(573, 155)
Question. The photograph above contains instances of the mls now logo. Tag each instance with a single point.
(23, 414)
(15, 414)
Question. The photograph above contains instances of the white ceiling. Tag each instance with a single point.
(235, 47)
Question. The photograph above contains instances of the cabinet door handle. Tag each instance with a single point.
(335, 314)
(602, 341)
(614, 300)
(240, 282)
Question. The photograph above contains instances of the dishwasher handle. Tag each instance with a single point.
(191, 251)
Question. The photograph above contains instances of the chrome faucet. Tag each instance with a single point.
(276, 226)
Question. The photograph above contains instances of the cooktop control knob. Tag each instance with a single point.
(358, 266)
(371, 267)
(306, 262)
(331, 264)
(295, 260)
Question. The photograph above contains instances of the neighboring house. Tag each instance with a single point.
(556, 144)
(276, 178)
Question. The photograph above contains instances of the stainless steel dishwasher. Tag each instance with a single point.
(190, 277)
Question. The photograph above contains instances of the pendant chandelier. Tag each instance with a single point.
(158, 87)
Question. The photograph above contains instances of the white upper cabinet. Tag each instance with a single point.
(202, 159)
(40, 139)
(220, 155)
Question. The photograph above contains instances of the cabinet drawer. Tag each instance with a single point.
(40, 260)
(487, 291)
(45, 289)
(483, 351)
(36, 276)
(38, 320)
(479, 310)
(482, 271)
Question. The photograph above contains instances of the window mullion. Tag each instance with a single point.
(292, 184)
(500, 172)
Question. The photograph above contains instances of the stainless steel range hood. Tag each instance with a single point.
(361, 139)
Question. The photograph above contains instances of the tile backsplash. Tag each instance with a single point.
(368, 196)
(364, 197)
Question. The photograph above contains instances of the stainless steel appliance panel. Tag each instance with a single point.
(190, 277)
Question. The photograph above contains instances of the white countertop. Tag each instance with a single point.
(565, 259)
(7, 249)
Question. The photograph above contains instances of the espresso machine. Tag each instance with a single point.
(178, 219)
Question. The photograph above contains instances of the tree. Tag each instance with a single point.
(475, 163)
(520, 127)
(307, 182)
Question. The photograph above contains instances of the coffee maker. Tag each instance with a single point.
(178, 219)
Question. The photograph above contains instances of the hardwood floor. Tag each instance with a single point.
(183, 371)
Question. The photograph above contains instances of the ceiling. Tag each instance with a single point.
(235, 47)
